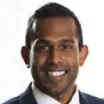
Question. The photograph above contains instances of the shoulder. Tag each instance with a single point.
(14, 100)
(26, 97)
(91, 99)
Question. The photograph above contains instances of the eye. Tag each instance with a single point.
(42, 48)
(66, 47)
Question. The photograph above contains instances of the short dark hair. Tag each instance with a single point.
(52, 10)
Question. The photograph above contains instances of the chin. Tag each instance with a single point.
(55, 90)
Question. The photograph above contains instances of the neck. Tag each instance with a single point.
(65, 97)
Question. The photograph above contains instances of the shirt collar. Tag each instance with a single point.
(43, 98)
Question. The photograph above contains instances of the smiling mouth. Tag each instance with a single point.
(56, 73)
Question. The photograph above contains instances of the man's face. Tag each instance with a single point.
(54, 59)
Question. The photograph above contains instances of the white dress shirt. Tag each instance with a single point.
(43, 98)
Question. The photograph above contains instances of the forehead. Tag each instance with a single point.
(55, 28)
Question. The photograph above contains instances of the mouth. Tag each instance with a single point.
(54, 76)
(56, 73)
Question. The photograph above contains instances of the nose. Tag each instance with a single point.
(54, 56)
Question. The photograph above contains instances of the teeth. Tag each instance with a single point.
(56, 73)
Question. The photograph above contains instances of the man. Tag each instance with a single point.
(54, 52)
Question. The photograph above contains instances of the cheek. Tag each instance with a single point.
(72, 58)
(41, 53)
(40, 59)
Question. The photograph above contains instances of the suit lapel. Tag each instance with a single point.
(27, 97)
(82, 98)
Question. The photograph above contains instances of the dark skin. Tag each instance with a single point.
(56, 50)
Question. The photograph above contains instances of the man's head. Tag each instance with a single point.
(54, 48)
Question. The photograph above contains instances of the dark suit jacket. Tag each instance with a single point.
(27, 98)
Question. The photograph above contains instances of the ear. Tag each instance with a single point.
(25, 55)
(83, 54)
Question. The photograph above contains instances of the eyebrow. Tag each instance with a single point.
(40, 41)
(66, 41)
(43, 41)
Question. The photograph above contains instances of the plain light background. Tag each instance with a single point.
(15, 77)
